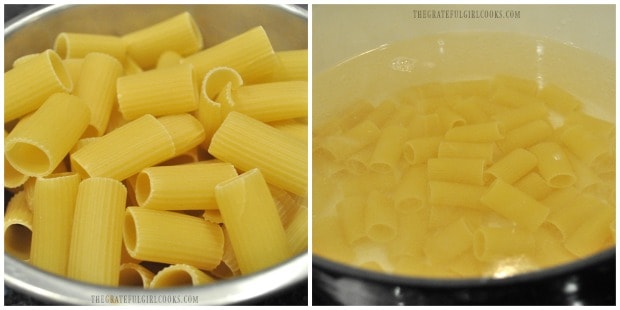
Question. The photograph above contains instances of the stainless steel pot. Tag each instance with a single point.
(287, 29)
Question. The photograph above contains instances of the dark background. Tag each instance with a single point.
(296, 295)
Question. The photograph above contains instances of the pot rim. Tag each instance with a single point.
(443, 283)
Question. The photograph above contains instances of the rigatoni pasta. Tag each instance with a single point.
(133, 110)
(488, 181)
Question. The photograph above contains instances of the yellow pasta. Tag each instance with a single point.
(125, 151)
(96, 236)
(381, 220)
(185, 130)
(490, 243)
(228, 267)
(27, 86)
(512, 167)
(592, 235)
(513, 98)
(178, 33)
(78, 45)
(293, 66)
(12, 177)
(554, 165)
(534, 185)
(40, 142)
(514, 118)
(74, 67)
(251, 218)
(168, 59)
(297, 232)
(97, 87)
(515, 205)
(248, 143)
(526, 135)
(470, 109)
(411, 193)
(450, 119)
(292, 128)
(149, 233)
(526, 86)
(388, 149)
(456, 194)
(249, 53)
(447, 244)
(53, 206)
(274, 101)
(180, 275)
(351, 211)
(353, 140)
(448, 149)
(558, 99)
(132, 274)
(458, 170)
(592, 150)
(420, 150)
(183, 187)
(18, 227)
(477, 133)
(158, 92)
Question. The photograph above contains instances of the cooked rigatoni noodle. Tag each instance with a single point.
(185, 130)
(78, 45)
(132, 274)
(411, 192)
(554, 165)
(293, 65)
(515, 205)
(249, 53)
(513, 98)
(180, 275)
(381, 219)
(534, 185)
(512, 167)
(526, 135)
(149, 234)
(158, 92)
(27, 86)
(448, 149)
(550, 248)
(593, 233)
(491, 243)
(178, 33)
(351, 212)
(53, 207)
(248, 143)
(458, 170)
(456, 194)
(447, 243)
(426, 125)
(569, 215)
(292, 128)
(210, 112)
(96, 236)
(380, 114)
(168, 59)
(274, 101)
(558, 99)
(470, 109)
(409, 241)
(587, 146)
(388, 149)
(125, 151)
(182, 187)
(588, 180)
(343, 145)
(40, 142)
(479, 133)
(297, 232)
(251, 218)
(450, 119)
(526, 86)
(517, 117)
(18, 227)
(419, 150)
(97, 87)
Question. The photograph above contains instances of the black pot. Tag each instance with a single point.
(590, 281)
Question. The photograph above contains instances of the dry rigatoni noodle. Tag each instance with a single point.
(180, 275)
(293, 65)
(78, 45)
(18, 227)
(274, 101)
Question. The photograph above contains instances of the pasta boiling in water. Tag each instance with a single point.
(121, 151)
(476, 178)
